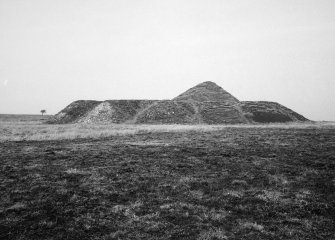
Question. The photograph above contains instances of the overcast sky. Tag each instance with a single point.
(55, 52)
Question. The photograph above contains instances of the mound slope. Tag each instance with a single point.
(267, 112)
(206, 103)
(117, 111)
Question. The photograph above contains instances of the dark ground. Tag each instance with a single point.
(237, 183)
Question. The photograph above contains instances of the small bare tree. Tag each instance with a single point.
(43, 111)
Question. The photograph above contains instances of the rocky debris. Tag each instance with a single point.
(117, 111)
(74, 112)
(206, 103)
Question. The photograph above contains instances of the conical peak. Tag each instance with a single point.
(207, 91)
(208, 84)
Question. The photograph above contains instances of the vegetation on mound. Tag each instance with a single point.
(221, 113)
(167, 112)
(265, 112)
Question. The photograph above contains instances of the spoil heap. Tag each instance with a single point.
(206, 103)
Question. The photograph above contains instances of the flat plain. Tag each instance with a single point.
(166, 182)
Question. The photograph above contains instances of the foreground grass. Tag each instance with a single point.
(227, 183)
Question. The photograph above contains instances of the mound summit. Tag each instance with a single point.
(206, 103)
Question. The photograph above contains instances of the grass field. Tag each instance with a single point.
(166, 182)
(32, 127)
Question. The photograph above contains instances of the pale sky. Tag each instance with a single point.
(53, 52)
